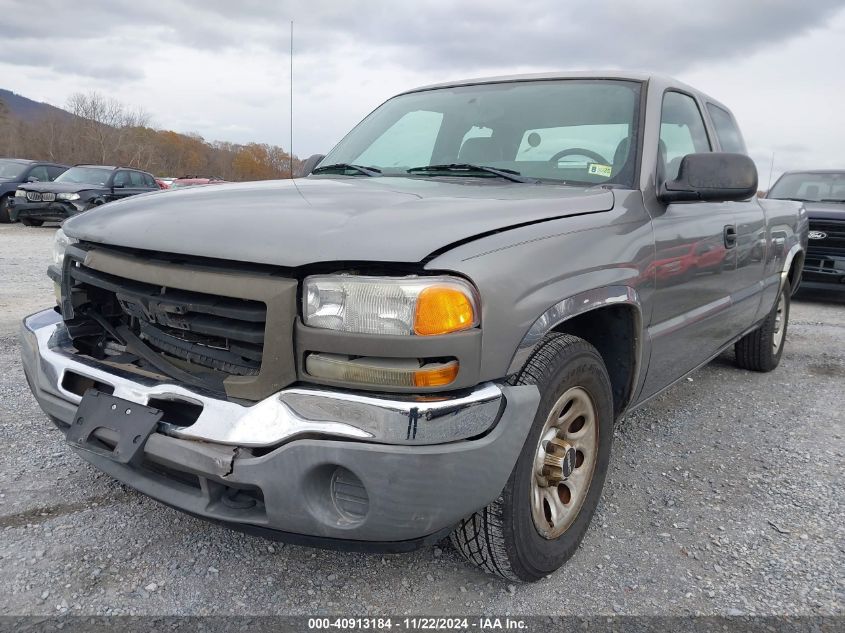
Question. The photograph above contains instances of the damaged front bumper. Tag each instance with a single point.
(318, 466)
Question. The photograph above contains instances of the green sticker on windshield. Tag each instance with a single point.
(599, 170)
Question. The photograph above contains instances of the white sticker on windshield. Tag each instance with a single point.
(599, 170)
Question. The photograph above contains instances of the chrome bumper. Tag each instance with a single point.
(48, 356)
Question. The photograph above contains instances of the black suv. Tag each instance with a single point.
(14, 171)
(78, 189)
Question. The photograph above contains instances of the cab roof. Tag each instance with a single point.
(662, 81)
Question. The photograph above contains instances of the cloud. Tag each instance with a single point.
(221, 68)
(472, 35)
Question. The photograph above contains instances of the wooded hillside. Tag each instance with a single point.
(94, 129)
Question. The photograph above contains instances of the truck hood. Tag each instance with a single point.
(325, 219)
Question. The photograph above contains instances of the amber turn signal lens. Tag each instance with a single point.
(437, 377)
(442, 309)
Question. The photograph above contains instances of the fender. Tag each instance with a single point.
(578, 304)
(787, 264)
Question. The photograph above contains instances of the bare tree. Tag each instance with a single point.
(96, 129)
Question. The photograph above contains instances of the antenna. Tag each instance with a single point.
(290, 148)
(771, 171)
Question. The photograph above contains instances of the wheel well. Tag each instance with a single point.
(612, 330)
(794, 269)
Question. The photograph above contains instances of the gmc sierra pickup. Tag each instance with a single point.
(433, 332)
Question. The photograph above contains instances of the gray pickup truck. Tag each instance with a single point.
(434, 331)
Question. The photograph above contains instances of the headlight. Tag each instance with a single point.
(20, 193)
(67, 196)
(390, 305)
(60, 244)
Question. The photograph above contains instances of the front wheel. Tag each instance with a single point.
(543, 513)
(5, 215)
(761, 349)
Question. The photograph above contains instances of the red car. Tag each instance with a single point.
(191, 181)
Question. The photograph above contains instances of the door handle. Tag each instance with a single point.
(730, 236)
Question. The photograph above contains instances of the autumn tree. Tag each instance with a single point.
(99, 130)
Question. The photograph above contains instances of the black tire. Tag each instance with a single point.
(5, 217)
(31, 222)
(502, 538)
(758, 350)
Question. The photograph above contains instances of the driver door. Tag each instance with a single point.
(693, 266)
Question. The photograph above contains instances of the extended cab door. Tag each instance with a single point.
(752, 239)
(694, 267)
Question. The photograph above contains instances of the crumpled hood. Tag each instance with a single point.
(58, 187)
(319, 219)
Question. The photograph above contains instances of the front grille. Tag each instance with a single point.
(833, 242)
(48, 197)
(33, 196)
(201, 325)
(218, 333)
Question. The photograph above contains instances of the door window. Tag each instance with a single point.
(682, 132)
(121, 179)
(39, 174)
(137, 179)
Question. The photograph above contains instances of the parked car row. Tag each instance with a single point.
(34, 192)
(76, 190)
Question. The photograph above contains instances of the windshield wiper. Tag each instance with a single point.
(508, 174)
(366, 171)
(839, 200)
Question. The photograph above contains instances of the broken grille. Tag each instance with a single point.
(218, 333)
(170, 318)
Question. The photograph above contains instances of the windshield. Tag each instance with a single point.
(813, 187)
(572, 131)
(11, 170)
(86, 175)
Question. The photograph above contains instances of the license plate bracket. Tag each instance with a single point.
(133, 423)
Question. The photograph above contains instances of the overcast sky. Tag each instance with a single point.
(221, 68)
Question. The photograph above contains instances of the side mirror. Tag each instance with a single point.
(308, 166)
(118, 186)
(712, 177)
(32, 179)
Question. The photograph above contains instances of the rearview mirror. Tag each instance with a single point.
(712, 177)
(308, 166)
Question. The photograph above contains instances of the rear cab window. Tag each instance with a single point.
(730, 138)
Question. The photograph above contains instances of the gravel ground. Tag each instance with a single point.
(724, 497)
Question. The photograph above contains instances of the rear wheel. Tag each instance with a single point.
(31, 222)
(542, 514)
(5, 216)
(761, 349)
